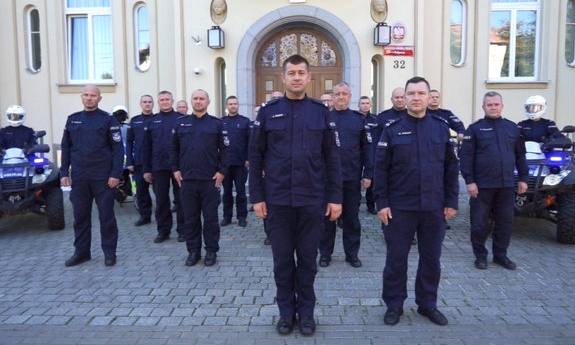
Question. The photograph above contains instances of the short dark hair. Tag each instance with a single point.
(416, 80)
(295, 59)
(364, 97)
(231, 97)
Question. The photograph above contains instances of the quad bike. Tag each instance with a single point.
(30, 182)
(551, 187)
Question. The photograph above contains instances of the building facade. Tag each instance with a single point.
(235, 47)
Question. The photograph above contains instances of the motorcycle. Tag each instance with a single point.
(551, 186)
(29, 182)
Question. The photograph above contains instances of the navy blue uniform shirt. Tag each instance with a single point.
(92, 146)
(356, 145)
(198, 147)
(453, 121)
(415, 166)
(539, 131)
(490, 151)
(21, 137)
(238, 128)
(295, 144)
(157, 140)
(135, 140)
(387, 116)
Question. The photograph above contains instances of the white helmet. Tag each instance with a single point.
(535, 107)
(15, 115)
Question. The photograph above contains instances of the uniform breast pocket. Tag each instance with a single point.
(511, 140)
(402, 149)
(313, 138)
(486, 140)
(437, 149)
(277, 136)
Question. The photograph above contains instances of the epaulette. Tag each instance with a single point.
(318, 101)
(270, 102)
(438, 117)
(359, 113)
(477, 121)
(392, 122)
(509, 120)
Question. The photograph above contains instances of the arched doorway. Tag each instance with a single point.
(320, 51)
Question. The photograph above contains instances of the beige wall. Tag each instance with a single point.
(48, 99)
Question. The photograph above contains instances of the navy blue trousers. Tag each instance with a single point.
(82, 195)
(430, 230)
(142, 193)
(500, 202)
(161, 180)
(237, 176)
(200, 198)
(351, 235)
(295, 230)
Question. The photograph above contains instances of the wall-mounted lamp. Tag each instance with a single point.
(215, 37)
(197, 39)
(381, 34)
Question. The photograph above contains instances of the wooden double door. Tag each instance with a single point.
(321, 52)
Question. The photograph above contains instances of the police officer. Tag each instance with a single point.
(199, 161)
(536, 128)
(371, 121)
(294, 143)
(416, 189)
(135, 158)
(157, 138)
(356, 150)
(92, 147)
(396, 111)
(453, 121)
(16, 135)
(238, 128)
(491, 150)
(120, 112)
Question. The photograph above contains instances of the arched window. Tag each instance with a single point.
(570, 34)
(142, 36)
(34, 51)
(458, 30)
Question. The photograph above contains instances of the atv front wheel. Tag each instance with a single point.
(55, 209)
(566, 217)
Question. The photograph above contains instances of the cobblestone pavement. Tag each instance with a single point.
(151, 297)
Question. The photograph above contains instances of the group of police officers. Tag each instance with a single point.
(307, 167)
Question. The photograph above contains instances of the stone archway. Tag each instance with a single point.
(285, 17)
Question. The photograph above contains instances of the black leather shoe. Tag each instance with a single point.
(242, 223)
(371, 210)
(110, 259)
(193, 259)
(392, 315)
(225, 222)
(481, 263)
(505, 262)
(324, 261)
(414, 241)
(339, 223)
(161, 238)
(77, 259)
(210, 259)
(267, 241)
(181, 238)
(306, 325)
(433, 315)
(142, 221)
(354, 261)
(285, 325)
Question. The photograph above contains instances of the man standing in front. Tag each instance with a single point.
(356, 152)
(92, 146)
(415, 188)
(492, 148)
(295, 144)
(199, 161)
(238, 128)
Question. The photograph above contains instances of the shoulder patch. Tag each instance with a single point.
(439, 118)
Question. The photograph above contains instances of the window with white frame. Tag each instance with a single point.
(458, 29)
(514, 40)
(142, 36)
(89, 33)
(33, 51)
(570, 34)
